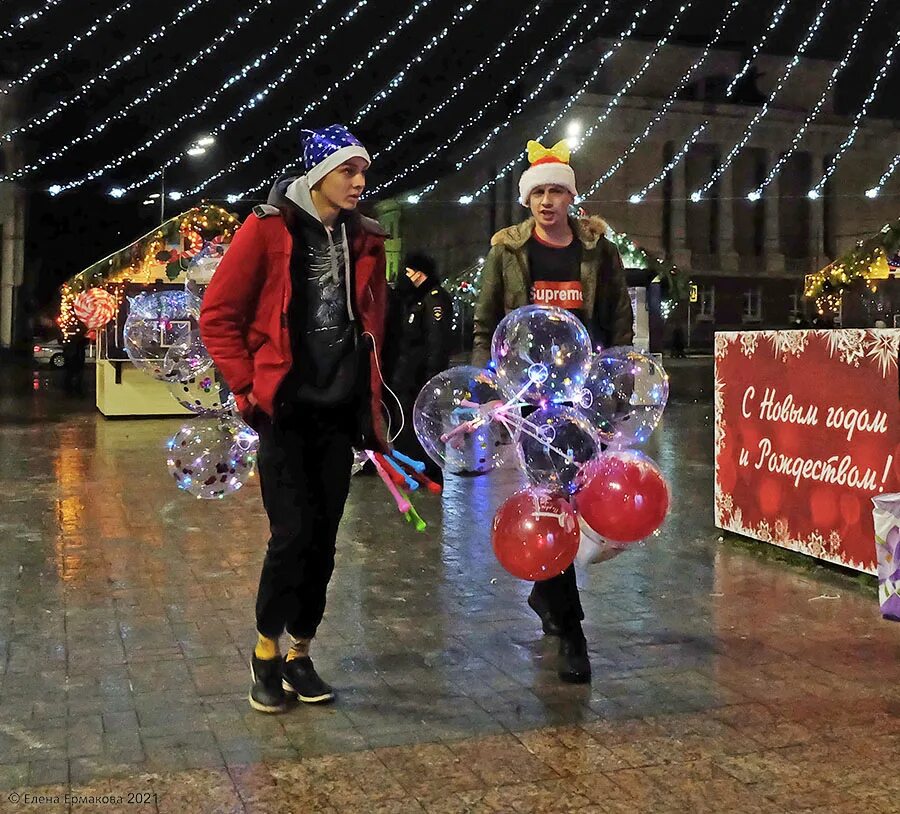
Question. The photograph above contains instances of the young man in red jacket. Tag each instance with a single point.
(294, 318)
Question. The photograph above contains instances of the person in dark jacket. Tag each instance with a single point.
(554, 259)
(74, 353)
(294, 318)
(419, 338)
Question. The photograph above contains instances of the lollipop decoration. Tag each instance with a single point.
(95, 307)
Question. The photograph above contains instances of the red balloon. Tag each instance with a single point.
(625, 497)
(535, 534)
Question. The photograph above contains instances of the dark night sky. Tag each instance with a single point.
(70, 231)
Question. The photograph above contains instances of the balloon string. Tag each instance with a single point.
(524, 426)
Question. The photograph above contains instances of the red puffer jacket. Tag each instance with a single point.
(244, 323)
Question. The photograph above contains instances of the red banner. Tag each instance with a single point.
(807, 432)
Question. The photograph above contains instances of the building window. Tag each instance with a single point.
(752, 305)
(706, 302)
(796, 307)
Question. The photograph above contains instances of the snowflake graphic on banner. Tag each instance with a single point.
(786, 343)
(849, 345)
(883, 348)
(749, 341)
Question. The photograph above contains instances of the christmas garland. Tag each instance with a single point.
(868, 260)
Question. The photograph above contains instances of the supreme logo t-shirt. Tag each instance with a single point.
(555, 274)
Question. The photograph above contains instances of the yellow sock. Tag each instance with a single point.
(299, 649)
(266, 648)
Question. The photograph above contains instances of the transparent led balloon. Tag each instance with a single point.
(186, 359)
(541, 354)
(201, 269)
(451, 420)
(212, 459)
(205, 394)
(625, 393)
(157, 322)
(555, 442)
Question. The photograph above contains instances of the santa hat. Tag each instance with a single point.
(547, 167)
(326, 149)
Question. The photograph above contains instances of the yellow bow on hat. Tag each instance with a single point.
(558, 152)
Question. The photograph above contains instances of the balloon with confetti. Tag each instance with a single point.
(212, 459)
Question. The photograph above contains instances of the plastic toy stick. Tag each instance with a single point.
(410, 482)
(419, 466)
(428, 483)
(403, 505)
(396, 477)
(413, 517)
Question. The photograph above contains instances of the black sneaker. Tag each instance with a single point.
(540, 608)
(574, 664)
(300, 678)
(266, 693)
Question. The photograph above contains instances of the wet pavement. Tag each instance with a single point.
(723, 682)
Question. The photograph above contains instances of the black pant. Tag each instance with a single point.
(304, 470)
(560, 595)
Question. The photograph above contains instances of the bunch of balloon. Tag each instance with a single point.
(574, 417)
(214, 455)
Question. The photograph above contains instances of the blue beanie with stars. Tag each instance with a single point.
(326, 149)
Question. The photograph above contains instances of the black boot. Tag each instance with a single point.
(266, 694)
(574, 664)
(300, 678)
(539, 606)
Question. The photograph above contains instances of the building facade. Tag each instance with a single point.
(747, 259)
(14, 328)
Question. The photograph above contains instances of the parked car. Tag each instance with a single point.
(50, 353)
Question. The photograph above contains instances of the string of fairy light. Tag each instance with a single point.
(727, 161)
(847, 143)
(623, 37)
(27, 19)
(70, 46)
(666, 106)
(105, 73)
(495, 100)
(376, 100)
(300, 117)
(529, 19)
(817, 108)
(251, 103)
(146, 95)
(108, 74)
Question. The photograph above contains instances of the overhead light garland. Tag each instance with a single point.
(676, 159)
(208, 100)
(635, 77)
(143, 97)
(105, 73)
(545, 80)
(847, 143)
(89, 32)
(291, 124)
(697, 195)
(754, 53)
(480, 113)
(379, 97)
(529, 19)
(817, 108)
(666, 106)
(514, 162)
(28, 19)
